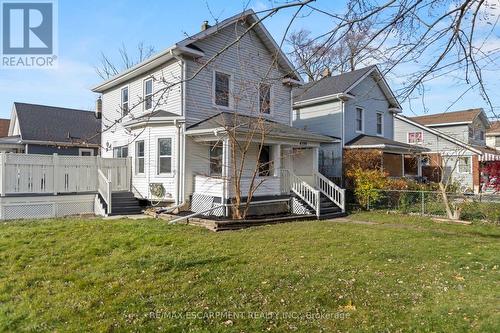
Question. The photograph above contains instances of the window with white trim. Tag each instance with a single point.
(359, 119)
(415, 137)
(164, 156)
(139, 157)
(222, 83)
(148, 94)
(464, 164)
(380, 123)
(120, 151)
(216, 160)
(124, 94)
(265, 98)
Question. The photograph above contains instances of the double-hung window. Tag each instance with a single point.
(415, 137)
(139, 157)
(222, 84)
(148, 94)
(124, 101)
(265, 98)
(120, 151)
(464, 164)
(380, 123)
(164, 155)
(359, 120)
(216, 160)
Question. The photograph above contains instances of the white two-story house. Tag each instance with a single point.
(184, 114)
(358, 109)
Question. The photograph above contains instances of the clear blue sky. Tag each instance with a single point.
(87, 28)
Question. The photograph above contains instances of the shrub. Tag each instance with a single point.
(367, 184)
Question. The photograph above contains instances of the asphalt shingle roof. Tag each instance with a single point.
(370, 140)
(243, 122)
(329, 85)
(495, 127)
(55, 124)
(4, 127)
(448, 117)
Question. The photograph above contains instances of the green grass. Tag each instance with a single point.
(401, 274)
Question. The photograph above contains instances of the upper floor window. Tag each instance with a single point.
(471, 132)
(479, 135)
(139, 157)
(380, 123)
(265, 98)
(222, 89)
(464, 165)
(120, 151)
(216, 160)
(164, 155)
(497, 141)
(124, 101)
(415, 137)
(148, 94)
(265, 161)
(359, 120)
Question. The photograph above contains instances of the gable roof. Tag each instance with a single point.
(464, 116)
(371, 141)
(55, 124)
(224, 120)
(4, 127)
(332, 86)
(438, 133)
(494, 128)
(186, 47)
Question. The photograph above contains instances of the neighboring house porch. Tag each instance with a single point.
(397, 159)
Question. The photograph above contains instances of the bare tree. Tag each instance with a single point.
(108, 68)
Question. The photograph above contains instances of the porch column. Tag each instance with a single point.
(419, 168)
(315, 159)
(226, 172)
(276, 160)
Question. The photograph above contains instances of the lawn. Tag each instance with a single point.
(400, 274)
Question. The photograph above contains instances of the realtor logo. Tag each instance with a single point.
(28, 31)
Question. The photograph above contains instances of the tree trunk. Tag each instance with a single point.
(451, 214)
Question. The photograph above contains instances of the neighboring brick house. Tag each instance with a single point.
(4, 127)
(456, 140)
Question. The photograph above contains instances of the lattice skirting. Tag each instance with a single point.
(202, 202)
(45, 206)
(299, 208)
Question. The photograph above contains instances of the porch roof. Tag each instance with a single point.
(224, 121)
(377, 142)
(488, 154)
(158, 116)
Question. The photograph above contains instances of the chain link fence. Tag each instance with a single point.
(473, 207)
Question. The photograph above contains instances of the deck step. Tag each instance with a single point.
(124, 203)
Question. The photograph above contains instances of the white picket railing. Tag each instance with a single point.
(306, 192)
(330, 189)
(53, 174)
(105, 189)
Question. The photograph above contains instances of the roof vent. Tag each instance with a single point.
(205, 26)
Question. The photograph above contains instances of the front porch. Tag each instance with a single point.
(278, 172)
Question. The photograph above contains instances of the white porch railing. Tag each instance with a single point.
(53, 174)
(330, 189)
(306, 192)
(104, 189)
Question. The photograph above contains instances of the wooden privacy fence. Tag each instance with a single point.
(53, 174)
